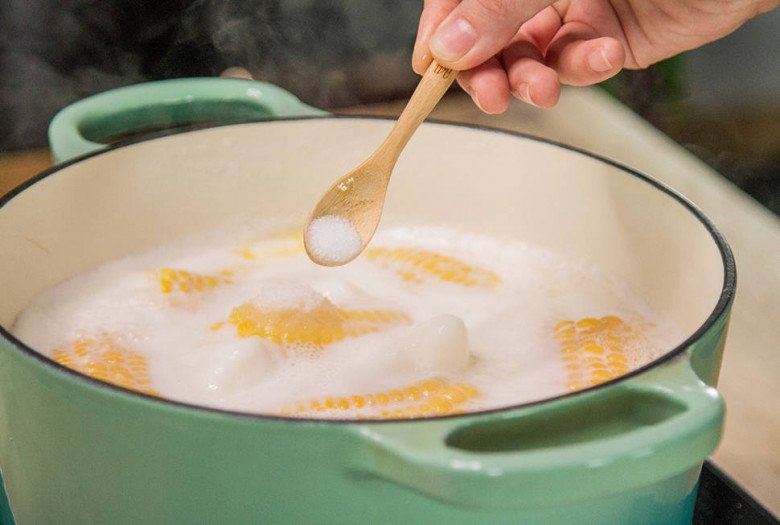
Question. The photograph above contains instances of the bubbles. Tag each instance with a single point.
(282, 331)
(283, 294)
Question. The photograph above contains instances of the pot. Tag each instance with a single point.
(76, 450)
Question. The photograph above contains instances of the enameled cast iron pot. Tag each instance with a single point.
(76, 450)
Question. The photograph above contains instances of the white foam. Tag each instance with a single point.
(437, 346)
(283, 294)
(497, 339)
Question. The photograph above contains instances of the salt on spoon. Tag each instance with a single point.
(347, 215)
(332, 239)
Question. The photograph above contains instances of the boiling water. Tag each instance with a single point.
(427, 321)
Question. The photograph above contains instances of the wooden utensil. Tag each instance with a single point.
(358, 197)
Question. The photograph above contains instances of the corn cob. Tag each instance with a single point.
(594, 350)
(173, 280)
(319, 326)
(103, 358)
(432, 397)
(414, 265)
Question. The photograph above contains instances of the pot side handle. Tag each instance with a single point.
(639, 431)
(93, 123)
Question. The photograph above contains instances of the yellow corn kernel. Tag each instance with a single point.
(454, 394)
(563, 325)
(430, 386)
(619, 369)
(382, 398)
(602, 373)
(593, 349)
(468, 389)
(93, 367)
(423, 410)
(567, 334)
(588, 322)
(172, 280)
(105, 359)
(413, 264)
(440, 405)
(319, 326)
(590, 360)
(611, 321)
(113, 356)
(413, 393)
(396, 396)
(429, 397)
(80, 348)
(60, 355)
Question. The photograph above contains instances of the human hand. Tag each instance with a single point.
(528, 48)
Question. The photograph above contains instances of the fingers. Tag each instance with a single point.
(476, 30)
(581, 58)
(496, 45)
(542, 28)
(573, 62)
(434, 11)
(530, 80)
(488, 86)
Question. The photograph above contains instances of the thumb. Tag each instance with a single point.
(478, 29)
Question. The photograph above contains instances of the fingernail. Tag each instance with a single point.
(475, 98)
(598, 61)
(421, 64)
(523, 92)
(453, 39)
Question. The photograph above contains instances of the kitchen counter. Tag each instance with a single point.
(589, 119)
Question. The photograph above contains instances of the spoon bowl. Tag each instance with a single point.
(356, 199)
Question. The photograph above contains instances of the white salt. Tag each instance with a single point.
(333, 239)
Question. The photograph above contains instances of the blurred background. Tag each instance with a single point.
(720, 102)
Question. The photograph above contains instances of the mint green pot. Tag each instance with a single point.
(76, 450)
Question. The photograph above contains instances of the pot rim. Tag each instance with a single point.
(721, 307)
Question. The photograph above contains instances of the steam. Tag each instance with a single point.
(330, 53)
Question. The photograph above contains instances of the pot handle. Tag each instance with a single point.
(631, 434)
(92, 123)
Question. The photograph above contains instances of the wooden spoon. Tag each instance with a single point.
(346, 217)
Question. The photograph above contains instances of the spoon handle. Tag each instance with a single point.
(434, 83)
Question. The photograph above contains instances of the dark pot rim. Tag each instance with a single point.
(721, 307)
